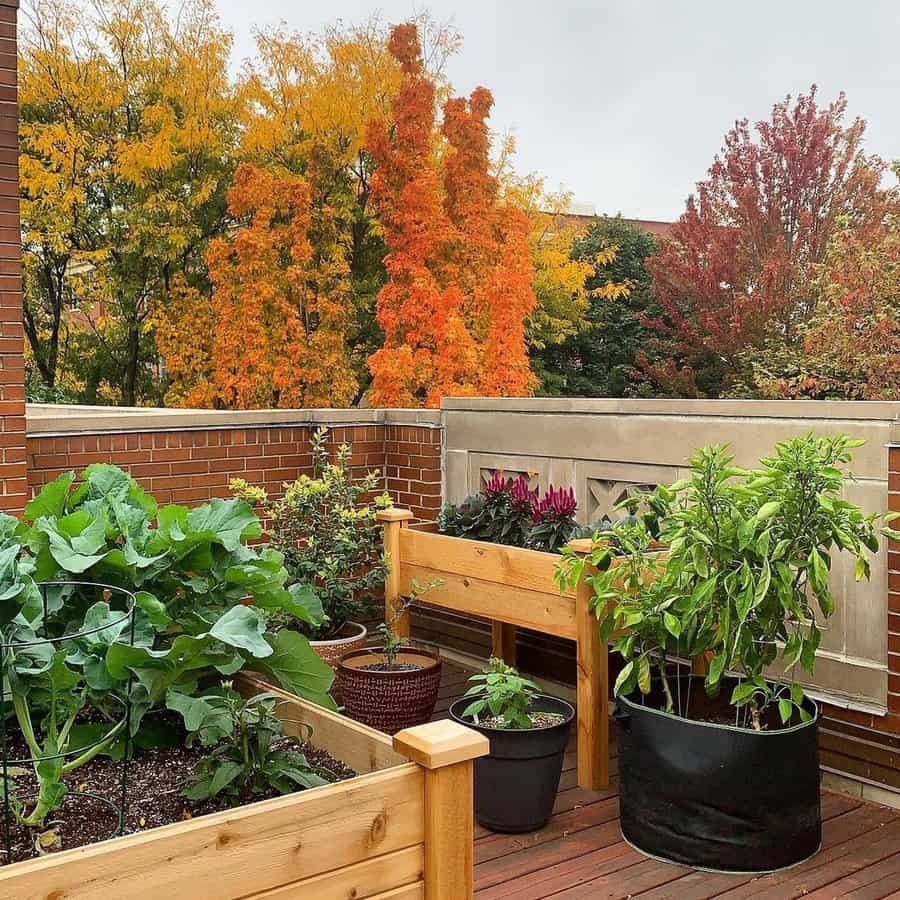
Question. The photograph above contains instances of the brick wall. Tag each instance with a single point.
(12, 368)
(412, 459)
(190, 465)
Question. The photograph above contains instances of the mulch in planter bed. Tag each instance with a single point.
(155, 781)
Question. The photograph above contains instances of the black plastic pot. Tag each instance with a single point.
(516, 785)
(716, 796)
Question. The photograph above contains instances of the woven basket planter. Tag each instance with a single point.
(394, 699)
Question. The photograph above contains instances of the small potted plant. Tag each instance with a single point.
(391, 686)
(516, 785)
(721, 770)
(326, 529)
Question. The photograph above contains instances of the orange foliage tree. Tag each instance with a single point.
(458, 263)
(280, 337)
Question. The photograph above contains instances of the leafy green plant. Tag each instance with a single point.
(324, 528)
(745, 575)
(501, 694)
(249, 757)
(46, 686)
(66, 647)
(508, 512)
(190, 571)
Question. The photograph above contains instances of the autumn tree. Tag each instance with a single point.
(598, 359)
(739, 270)
(128, 132)
(280, 339)
(460, 275)
(850, 349)
(559, 276)
(310, 99)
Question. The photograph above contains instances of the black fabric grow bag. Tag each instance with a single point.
(716, 796)
(515, 787)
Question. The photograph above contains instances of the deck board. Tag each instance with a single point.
(580, 853)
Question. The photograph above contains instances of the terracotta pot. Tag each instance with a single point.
(352, 636)
(390, 700)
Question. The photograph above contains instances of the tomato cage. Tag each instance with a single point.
(60, 708)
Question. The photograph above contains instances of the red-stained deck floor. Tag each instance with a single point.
(581, 854)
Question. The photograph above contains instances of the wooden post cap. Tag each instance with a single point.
(439, 744)
(394, 514)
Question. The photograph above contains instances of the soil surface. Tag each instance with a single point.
(538, 720)
(390, 667)
(155, 779)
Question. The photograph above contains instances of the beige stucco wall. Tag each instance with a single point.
(604, 447)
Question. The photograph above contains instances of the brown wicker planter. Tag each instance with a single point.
(351, 637)
(390, 700)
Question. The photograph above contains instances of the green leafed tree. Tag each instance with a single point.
(597, 361)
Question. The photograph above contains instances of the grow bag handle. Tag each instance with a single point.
(622, 717)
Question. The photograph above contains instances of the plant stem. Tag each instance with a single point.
(89, 754)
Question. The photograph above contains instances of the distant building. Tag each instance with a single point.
(582, 215)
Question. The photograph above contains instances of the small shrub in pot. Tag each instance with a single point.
(516, 785)
(744, 585)
(394, 685)
(326, 529)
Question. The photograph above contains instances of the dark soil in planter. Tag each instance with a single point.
(390, 667)
(155, 781)
(693, 703)
(538, 720)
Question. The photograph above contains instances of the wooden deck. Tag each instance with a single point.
(580, 853)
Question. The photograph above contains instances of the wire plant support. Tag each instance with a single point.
(11, 766)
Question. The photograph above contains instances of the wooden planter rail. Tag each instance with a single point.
(513, 588)
(402, 830)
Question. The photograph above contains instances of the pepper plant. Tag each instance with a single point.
(745, 575)
(501, 693)
(249, 755)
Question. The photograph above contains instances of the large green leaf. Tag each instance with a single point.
(76, 541)
(296, 667)
(51, 501)
(226, 522)
(243, 627)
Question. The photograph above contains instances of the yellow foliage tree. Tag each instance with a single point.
(129, 129)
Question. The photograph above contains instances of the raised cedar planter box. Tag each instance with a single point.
(511, 587)
(402, 830)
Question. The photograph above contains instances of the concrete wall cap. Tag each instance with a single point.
(45, 418)
(887, 410)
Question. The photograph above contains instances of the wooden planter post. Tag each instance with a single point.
(394, 519)
(592, 700)
(446, 749)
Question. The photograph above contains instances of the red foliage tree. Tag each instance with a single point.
(738, 272)
(851, 347)
(458, 262)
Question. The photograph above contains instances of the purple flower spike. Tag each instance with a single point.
(497, 485)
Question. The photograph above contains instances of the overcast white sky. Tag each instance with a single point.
(625, 102)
